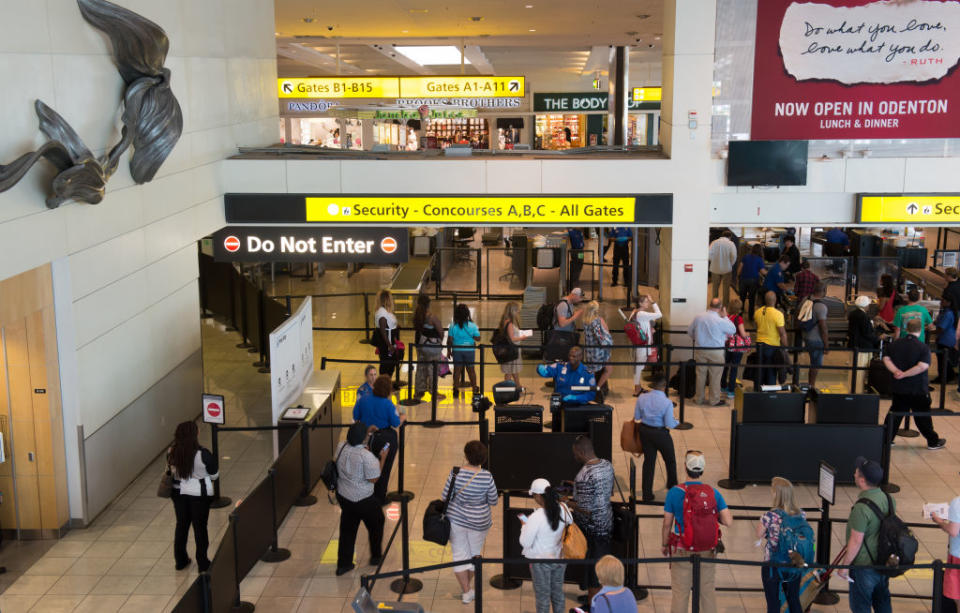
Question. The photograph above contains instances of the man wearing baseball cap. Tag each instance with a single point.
(702, 538)
(870, 590)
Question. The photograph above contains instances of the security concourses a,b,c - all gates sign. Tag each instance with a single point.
(451, 210)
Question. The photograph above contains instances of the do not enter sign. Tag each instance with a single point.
(393, 512)
(213, 412)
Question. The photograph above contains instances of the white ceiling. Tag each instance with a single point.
(554, 57)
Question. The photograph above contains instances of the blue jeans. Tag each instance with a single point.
(870, 591)
(728, 381)
(768, 376)
(548, 586)
(772, 584)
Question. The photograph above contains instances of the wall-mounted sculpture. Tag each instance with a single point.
(152, 120)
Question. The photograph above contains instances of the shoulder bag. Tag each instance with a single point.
(574, 542)
(330, 473)
(630, 438)
(436, 524)
(165, 488)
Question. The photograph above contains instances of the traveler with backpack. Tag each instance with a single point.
(558, 322)
(357, 471)
(541, 537)
(785, 529)
(565, 313)
(429, 342)
(692, 516)
(643, 317)
(908, 359)
(812, 321)
(875, 537)
(505, 337)
(805, 282)
(951, 525)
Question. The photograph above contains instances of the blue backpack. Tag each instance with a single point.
(795, 535)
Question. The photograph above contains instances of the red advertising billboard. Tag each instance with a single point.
(848, 69)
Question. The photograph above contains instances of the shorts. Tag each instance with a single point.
(815, 349)
(951, 579)
(513, 367)
(464, 357)
(464, 544)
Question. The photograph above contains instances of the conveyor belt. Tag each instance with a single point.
(407, 283)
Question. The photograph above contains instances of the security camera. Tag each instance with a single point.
(650, 45)
(330, 28)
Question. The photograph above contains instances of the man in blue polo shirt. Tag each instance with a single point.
(620, 239)
(681, 575)
(567, 375)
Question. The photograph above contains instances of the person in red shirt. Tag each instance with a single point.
(804, 282)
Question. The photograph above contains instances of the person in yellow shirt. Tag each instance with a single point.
(771, 335)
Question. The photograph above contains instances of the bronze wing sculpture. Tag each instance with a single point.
(152, 120)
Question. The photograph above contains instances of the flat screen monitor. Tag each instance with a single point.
(767, 162)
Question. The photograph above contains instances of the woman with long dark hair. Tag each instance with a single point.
(193, 468)
(429, 342)
(462, 337)
(542, 538)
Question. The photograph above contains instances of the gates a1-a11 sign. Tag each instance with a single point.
(856, 69)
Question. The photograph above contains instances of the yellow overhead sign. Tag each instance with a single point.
(510, 210)
(913, 209)
(339, 87)
(647, 94)
(462, 87)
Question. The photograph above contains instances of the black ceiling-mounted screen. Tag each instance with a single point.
(767, 162)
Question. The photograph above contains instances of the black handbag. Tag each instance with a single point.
(436, 524)
(330, 473)
(503, 348)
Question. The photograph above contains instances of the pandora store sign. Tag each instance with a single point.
(298, 244)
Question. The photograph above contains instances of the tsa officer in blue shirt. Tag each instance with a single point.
(654, 411)
(576, 255)
(369, 375)
(620, 238)
(570, 374)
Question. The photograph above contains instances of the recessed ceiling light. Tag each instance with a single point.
(433, 55)
(528, 6)
(307, 20)
(532, 30)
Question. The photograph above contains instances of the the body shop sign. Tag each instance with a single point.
(299, 244)
(856, 69)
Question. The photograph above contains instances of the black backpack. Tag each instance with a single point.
(896, 544)
(547, 315)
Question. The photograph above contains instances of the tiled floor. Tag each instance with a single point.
(123, 562)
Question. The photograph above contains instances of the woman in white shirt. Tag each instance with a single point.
(542, 538)
(644, 317)
(194, 470)
(386, 334)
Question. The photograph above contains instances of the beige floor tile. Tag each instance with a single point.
(132, 566)
(277, 604)
(32, 584)
(99, 603)
(13, 603)
(70, 585)
(86, 565)
(312, 604)
(141, 603)
(160, 585)
(116, 585)
(56, 604)
(50, 565)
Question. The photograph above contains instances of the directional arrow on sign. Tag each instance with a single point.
(912, 208)
(514, 86)
(288, 87)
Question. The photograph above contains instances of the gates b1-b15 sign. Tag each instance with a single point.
(298, 244)
(856, 69)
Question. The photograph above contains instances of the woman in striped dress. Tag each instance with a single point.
(474, 493)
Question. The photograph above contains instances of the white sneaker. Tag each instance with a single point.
(467, 597)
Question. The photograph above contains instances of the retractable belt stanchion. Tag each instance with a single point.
(504, 581)
(695, 595)
(730, 483)
(368, 339)
(942, 355)
(405, 584)
(478, 583)
(433, 422)
(633, 550)
(825, 532)
(305, 499)
(885, 484)
(410, 401)
(401, 494)
(218, 501)
(683, 425)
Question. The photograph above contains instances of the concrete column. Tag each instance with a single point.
(619, 84)
(688, 47)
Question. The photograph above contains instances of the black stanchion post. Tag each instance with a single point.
(853, 373)
(478, 584)
(405, 584)
(323, 363)
(218, 501)
(484, 424)
(824, 534)
(683, 425)
(368, 339)
(937, 604)
(503, 580)
(239, 606)
(275, 553)
(731, 483)
(483, 368)
(287, 302)
(668, 349)
(796, 366)
(757, 381)
(886, 485)
(633, 550)
(305, 499)
(433, 422)
(400, 494)
(695, 560)
(410, 401)
(942, 355)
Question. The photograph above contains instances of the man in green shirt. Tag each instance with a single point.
(912, 310)
(869, 591)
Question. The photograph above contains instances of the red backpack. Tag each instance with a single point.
(701, 526)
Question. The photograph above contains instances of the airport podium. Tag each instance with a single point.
(594, 420)
(773, 407)
(845, 409)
